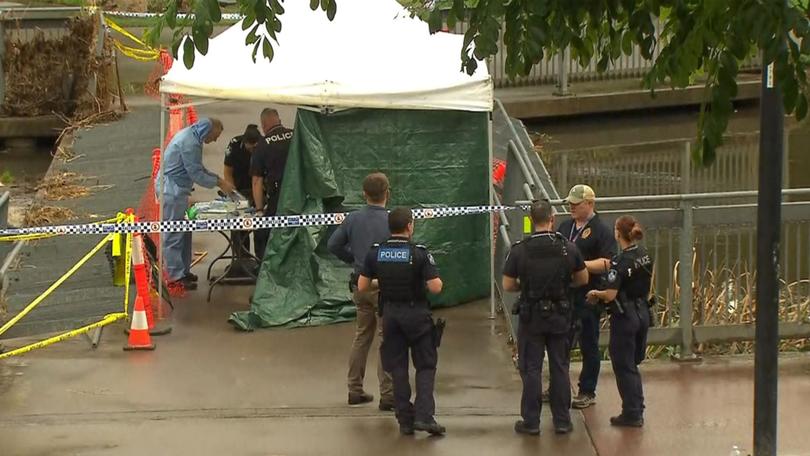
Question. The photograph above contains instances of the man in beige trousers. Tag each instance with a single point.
(350, 243)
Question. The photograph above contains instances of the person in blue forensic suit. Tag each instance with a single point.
(182, 168)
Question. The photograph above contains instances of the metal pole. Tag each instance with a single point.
(685, 282)
(686, 168)
(685, 265)
(769, 217)
(562, 74)
(160, 191)
(490, 233)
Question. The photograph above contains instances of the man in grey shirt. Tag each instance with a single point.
(350, 243)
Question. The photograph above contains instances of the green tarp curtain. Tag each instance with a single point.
(432, 158)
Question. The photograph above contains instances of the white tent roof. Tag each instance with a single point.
(372, 55)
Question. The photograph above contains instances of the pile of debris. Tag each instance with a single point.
(69, 74)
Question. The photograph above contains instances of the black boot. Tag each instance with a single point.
(626, 421)
(522, 428)
(433, 428)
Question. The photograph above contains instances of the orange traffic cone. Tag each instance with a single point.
(139, 338)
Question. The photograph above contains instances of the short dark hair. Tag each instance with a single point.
(399, 219)
(268, 111)
(541, 212)
(252, 134)
(375, 185)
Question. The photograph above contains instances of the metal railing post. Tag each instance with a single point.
(562, 74)
(685, 282)
(685, 265)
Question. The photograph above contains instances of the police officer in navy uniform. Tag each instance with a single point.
(267, 171)
(403, 271)
(626, 292)
(595, 241)
(236, 170)
(542, 267)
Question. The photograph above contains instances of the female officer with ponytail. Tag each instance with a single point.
(626, 293)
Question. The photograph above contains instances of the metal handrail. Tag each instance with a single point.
(679, 198)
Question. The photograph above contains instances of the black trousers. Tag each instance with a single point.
(260, 238)
(628, 346)
(532, 346)
(410, 329)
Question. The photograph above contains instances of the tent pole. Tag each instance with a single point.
(491, 221)
(160, 191)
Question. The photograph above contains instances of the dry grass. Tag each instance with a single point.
(62, 186)
(38, 215)
(67, 185)
(728, 297)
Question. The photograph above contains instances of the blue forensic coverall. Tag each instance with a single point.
(182, 169)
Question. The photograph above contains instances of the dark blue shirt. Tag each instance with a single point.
(594, 240)
(355, 236)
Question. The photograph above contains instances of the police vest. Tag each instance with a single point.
(398, 275)
(545, 273)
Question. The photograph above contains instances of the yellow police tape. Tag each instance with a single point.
(111, 318)
(55, 285)
(144, 53)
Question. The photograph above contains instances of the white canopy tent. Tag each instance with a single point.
(372, 55)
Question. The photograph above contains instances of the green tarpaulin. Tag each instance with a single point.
(432, 158)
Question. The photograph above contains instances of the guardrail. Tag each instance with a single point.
(9, 253)
(704, 263)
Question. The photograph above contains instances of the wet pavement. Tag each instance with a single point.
(209, 389)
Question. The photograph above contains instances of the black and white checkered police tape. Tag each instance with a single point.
(239, 223)
(225, 16)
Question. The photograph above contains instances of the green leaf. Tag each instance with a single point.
(188, 53)
(313, 5)
(790, 92)
(451, 21)
(267, 49)
(248, 21)
(602, 64)
(277, 7)
(277, 24)
(261, 12)
(325, 4)
(801, 107)
(251, 37)
(214, 10)
(472, 65)
(255, 51)
(331, 10)
(200, 39)
(176, 42)
(268, 26)
(435, 21)
(171, 14)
